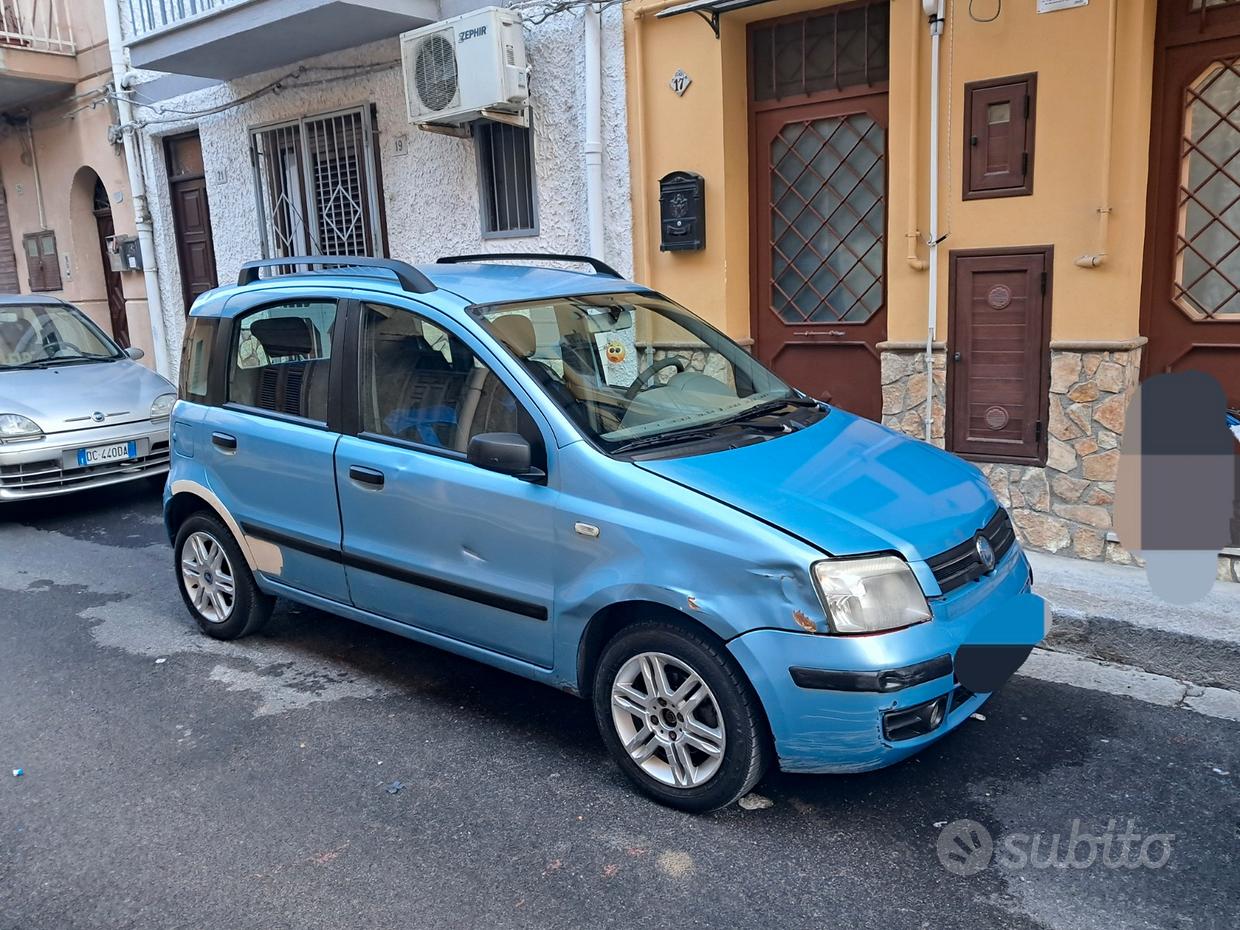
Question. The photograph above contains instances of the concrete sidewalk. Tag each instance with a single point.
(1109, 612)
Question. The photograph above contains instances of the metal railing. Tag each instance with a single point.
(147, 16)
(39, 25)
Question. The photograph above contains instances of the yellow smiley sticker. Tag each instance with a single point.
(615, 353)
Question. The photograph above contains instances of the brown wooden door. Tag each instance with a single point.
(1191, 306)
(113, 287)
(8, 257)
(818, 118)
(998, 354)
(191, 216)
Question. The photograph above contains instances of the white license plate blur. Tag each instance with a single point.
(102, 455)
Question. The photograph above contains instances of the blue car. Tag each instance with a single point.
(570, 477)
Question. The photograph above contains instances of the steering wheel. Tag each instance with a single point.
(639, 383)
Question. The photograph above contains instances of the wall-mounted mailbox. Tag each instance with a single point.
(682, 212)
(124, 253)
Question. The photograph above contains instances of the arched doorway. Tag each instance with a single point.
(102, 208)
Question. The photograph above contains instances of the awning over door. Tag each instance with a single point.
(709, 10)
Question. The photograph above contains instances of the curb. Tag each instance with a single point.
(1205, 661)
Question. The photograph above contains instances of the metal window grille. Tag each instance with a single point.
(1207, 255)
(821, 52)
(506, 179)
(1206, 4)
(317, 186)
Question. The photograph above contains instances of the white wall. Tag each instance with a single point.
(431, 193)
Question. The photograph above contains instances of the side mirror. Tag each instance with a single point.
(506, 453)
(135, 353)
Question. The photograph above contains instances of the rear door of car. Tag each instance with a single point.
(270, 445)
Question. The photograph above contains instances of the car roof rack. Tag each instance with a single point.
(409, 277)
(599, 266)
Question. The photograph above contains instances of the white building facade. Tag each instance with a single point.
(317, 155)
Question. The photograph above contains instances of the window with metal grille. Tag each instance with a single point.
(506, 180)
(317, 180)
(826, 51)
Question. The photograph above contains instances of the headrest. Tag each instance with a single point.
(516, 332)
(14, 332)
(282, 337)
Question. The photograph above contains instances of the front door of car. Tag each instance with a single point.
(269, 446)
(429, 539)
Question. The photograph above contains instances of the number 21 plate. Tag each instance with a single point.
(102, 455)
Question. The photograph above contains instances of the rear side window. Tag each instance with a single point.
(196, 359)
(281, 357)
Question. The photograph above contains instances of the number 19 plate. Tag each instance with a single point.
(103, 455)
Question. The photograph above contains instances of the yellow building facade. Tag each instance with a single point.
(1088, 232)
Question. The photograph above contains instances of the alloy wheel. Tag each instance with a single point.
(668, 720)
(208, 577)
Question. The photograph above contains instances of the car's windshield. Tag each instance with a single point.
(627, 367)
(42, 335)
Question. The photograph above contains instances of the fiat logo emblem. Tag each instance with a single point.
(97, 416)
(985, 553)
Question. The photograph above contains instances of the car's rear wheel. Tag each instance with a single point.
(679, 717)
(215, 581)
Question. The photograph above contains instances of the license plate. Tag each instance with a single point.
(103, 455)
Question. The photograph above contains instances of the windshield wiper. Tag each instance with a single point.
(766, 409)
(666, 439)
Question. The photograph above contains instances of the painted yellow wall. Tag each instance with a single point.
(706, 131)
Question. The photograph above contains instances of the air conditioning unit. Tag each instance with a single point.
(467, 68)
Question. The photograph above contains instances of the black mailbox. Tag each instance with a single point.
(682, 212)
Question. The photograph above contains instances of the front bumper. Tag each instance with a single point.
(845, 721)
(30, 470)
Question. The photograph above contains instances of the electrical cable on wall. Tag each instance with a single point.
(981, 19)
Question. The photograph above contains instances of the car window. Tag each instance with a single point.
(281, 356)
(49, 333)
(195, 355)
(422, 384)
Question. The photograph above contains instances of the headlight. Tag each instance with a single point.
(162, 406)
(14, 426)
(870, 594)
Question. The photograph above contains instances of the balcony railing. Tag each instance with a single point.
(147, 16)
(38, 25)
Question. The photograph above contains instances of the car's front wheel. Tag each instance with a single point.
(679, 717)
(215, 581)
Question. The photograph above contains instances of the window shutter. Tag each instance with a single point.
(42, 261)
(998, 157)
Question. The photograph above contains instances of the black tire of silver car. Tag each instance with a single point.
(679, 717)
(215, 581)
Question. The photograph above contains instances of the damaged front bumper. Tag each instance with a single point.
(856, 703)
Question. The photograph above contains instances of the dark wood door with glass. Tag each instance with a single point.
(818, 100)
(191, 215)
(113, 285)
(1191, 306)
(998, 350)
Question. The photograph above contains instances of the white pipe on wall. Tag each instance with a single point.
(1099, 257)
(137, 187)
(593, 147)
(934, 10)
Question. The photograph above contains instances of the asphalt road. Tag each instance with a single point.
(174, 782)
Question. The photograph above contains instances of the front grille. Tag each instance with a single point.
(959, 565)
(47, 474)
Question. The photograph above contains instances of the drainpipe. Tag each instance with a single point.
(913, 233)
(933, 9)
(1099, 257)
(137, 186)
(38, 181)
(593, 148)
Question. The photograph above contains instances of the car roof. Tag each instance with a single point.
(8, 300)
(471, 282)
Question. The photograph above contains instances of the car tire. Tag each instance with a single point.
(209, 564)
(678, 720)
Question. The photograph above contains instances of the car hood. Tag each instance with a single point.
(67, 397)
(846, 485)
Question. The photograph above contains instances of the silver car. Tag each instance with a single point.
(76, 410)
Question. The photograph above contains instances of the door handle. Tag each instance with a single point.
(364, 475)
(224, 441)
